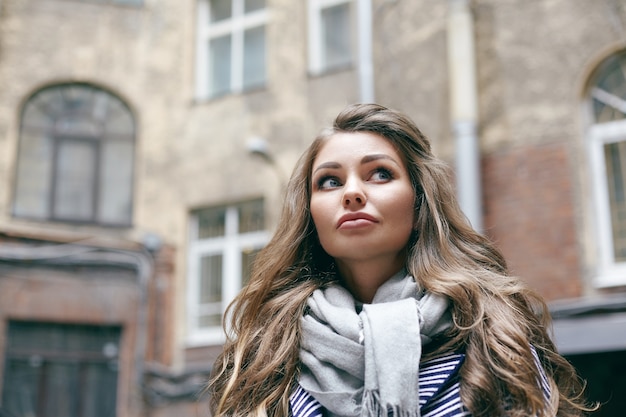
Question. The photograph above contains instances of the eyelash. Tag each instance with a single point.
(320, 182)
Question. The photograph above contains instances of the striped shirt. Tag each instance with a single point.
(439, 390)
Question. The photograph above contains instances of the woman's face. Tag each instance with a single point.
(362, 200)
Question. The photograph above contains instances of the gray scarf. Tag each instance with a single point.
(367, 364)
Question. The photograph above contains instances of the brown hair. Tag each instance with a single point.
(497, 319)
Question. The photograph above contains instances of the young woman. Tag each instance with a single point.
(375, 297)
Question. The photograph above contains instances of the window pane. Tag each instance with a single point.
(128, 2)
(219, 55)
(211, 222)
(37, 116)
(220, 10)
(60, 370)
(211, 279)
(116, 186)
(119, 120)
(20, 387)
(32, 191)
(336, 31)
(68, 338)
(61, 388)
(253, 5)
(251, 216)
(210, 291)
(99, 399)
(77, 126)
(50, 101)
(254, 57)
(247, 260)
(74, 194)
(209, 320)
(609, 90)
(615, 157)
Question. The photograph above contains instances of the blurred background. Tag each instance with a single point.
(145, 146)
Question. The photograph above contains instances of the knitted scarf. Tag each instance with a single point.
(367, 363)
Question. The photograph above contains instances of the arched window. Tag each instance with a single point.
(607, 96)
(75, 157)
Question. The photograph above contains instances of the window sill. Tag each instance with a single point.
(207, 99)
(611, 276)
(210, 337)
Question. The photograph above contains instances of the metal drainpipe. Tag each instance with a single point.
(464, 109)
(366, 68)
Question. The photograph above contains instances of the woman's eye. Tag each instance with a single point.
(328, 182)
(382, 174)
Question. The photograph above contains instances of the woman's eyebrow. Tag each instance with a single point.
(376, 157)
(332, 165)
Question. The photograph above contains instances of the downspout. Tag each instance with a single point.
(464, 109)
(365, 65)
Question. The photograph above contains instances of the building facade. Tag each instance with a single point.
(145, 146)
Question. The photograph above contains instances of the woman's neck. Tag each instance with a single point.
(363, 278)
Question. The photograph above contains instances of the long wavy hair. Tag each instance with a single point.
(496, 318)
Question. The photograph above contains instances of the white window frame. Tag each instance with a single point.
(230, 246)
(236, 27)
(609, 272)
(315, 44)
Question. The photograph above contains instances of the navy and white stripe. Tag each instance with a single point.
(439, 394)
(439, 390)
(304, 405)
(545, 385)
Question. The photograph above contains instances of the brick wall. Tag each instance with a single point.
(529, 213)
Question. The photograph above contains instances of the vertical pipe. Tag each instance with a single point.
(464, 109)
(366, 68)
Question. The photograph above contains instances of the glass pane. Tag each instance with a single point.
(211, 279)
(253, 5)
(210, 320)
(33, 175)
(615, 158)
(75, 180)
(220, 10)
(116, 184)
(336, 31)
(210, 296)
(27, 336)
(251, 216)
(609, 91)
(100, 381)
(119, 120)
(219, 56)
(77, 126)
(36, 116)
(61, 389)
(50, 101)
(77, 97)
(247, 260)
(211, 222)
(60, 369)
(20, 387)
(128, 2)
(254, 57)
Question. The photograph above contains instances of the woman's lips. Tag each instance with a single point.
(355, 220)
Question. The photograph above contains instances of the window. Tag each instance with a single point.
(231, 46)
(75, 157)
(330, 35)
(607, 97)
(224, 241)
(117, 2)
(56, 370)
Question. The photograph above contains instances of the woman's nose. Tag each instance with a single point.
(353, 194)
